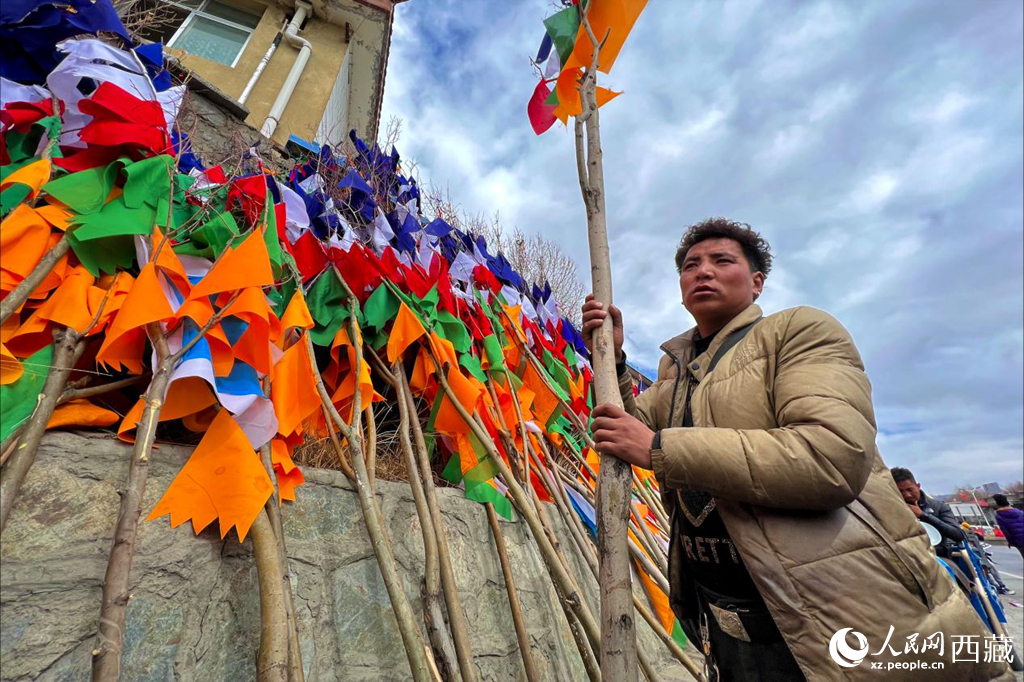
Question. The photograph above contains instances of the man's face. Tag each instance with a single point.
(716, 281)
(911, 491)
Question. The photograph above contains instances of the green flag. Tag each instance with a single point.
(18, 399)
(381, 307)
(326, 302)
(211, 238)
(452, 328)
(563, 27)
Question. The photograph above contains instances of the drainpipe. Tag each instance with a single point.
(302, 10)
(259, 67)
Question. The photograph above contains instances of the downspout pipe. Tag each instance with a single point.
(260, 67)
(291, 36)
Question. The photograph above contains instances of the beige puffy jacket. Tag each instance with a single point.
(784, 437)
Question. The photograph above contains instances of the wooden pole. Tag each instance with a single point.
(615, 480)
(106, 662)
(513, 597)
(273, 510)
(412, 637)
(456, 616)
(443, 643)
(272, 659)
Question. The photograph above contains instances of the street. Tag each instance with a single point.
(1008, 562)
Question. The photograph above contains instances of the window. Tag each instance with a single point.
(210, 29)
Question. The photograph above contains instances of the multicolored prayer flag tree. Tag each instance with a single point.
(261, 309)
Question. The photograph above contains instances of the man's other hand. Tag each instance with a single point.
(622, 435)
(917, 510)
(593, 316)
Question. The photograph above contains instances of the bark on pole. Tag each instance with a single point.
(106, 662)
(443, 645)
(513, 597)
(272, 660)
(615, 479)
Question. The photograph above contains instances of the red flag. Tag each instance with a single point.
(542, 116)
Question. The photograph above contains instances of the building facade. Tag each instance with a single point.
(310, 70)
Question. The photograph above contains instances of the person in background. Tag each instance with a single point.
(1011, 522)
(930, 511)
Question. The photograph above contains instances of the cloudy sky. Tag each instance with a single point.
(877, 146)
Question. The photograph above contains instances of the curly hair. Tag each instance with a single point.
(900, 474)
(756, 249)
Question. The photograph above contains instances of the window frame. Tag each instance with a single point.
(200, 11)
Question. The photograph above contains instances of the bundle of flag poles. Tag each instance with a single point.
(263, 289)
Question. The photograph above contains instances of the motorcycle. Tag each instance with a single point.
(966, 569)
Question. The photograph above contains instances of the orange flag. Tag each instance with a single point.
(467, 455)
(126, 338)
(443, 349)
(24, 240)
(81, 413)
(658, 598)
(347, 386)
(297, 313)
(253, 348)
(545, 402)
(467, 392)
(421, 372)
(245, 266)
(169, 264)
(185, 397)
(10, 366)
(614, 17)
(35, 175)
(406, 330)
(223, 479)
(289, 476)
(293, 390)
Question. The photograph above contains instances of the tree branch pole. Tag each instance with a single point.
(615, 480)
(371, 448)
(68, 348)
(106, 662)
(446, 651)
(456, 616)
(272, 659)
(92, 391)
(513, 597)
(548, 551)
(14, 300)
(273, 511)
(412, 638)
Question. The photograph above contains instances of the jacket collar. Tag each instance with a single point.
(680, 348)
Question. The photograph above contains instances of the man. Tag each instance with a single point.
(931, 511)
(1011, 522)
(786, 525)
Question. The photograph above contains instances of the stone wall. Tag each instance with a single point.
(194, 613)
